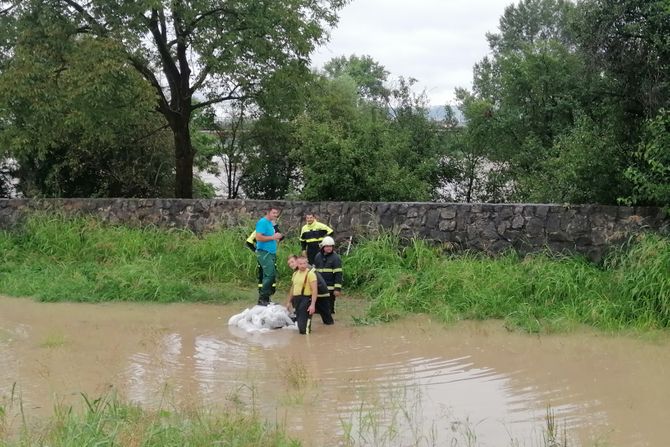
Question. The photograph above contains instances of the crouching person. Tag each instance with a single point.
(303, 296)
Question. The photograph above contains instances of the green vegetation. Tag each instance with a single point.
(569, 105)
(185, 53)
(537, 293)
(54, 258)
(109, 422)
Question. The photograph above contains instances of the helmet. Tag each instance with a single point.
(327, 241)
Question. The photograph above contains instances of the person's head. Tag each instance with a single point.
(327, 244)
(302, 263)
(272, 214)
(292, 262)
(310, 218)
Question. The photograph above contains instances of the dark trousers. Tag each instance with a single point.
(267, 262)
(259, 273)
(301, 305)
(312, 250)
(331, 302)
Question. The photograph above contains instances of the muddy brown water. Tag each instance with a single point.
(414, 382)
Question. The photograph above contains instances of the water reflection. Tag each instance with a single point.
(406, 383)
(150, 371)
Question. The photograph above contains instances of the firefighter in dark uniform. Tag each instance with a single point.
(329, 265)
(311, 236)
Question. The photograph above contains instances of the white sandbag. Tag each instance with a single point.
(232, 321)
(262, 318)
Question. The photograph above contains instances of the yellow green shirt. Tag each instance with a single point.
(298, 281)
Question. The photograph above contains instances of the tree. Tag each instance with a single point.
(549, 116)
(78, 119)
(626, 46)
(270, 170)
(585, 166)
(651, 173)
(473, 169)
(350, 148)
(214, 50)
(370, 76)
(220, 144)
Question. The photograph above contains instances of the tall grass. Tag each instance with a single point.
(55, 258)
(541, 292)
(81, 259)
(109, 422)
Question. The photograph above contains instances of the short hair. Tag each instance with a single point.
(310, 213)
(292, 257)
(270, 208)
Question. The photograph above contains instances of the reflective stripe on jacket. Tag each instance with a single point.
(310, 237)
(330, 267)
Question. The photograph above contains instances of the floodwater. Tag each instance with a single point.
(413, 382)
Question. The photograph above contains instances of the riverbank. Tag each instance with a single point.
(59, 259)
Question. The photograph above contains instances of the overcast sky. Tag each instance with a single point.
(435, 41)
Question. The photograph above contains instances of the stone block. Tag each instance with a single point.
(448, 213)
(517, 222)
(542, 211)
(578, 225)
(506, 212)
(500, 246)
(432, 218)
(535, 227)
(447, 225)
(503, 226)
(558, 236)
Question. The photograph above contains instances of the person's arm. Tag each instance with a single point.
(290, 297)
(263, 238)
(265, 230)
(276, 227)
(315, 289)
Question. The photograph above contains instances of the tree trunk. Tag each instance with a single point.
(183, 151)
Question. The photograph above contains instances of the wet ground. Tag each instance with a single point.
(414, 382)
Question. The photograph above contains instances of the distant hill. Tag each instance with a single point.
(437, 113)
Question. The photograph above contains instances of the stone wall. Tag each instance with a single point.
(587, 229)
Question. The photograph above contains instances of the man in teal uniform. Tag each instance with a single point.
(266, 252)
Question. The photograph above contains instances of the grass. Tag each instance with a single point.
(54, 341)
(109, 422)
(54, 258)
(81, 259)
(541, 292)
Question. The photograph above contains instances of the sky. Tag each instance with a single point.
(435, 41)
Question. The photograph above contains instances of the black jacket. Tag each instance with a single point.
(330, 267)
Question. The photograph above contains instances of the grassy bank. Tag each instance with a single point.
(631, 289)
(53, 259)
(109, 422)
(57, 259)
